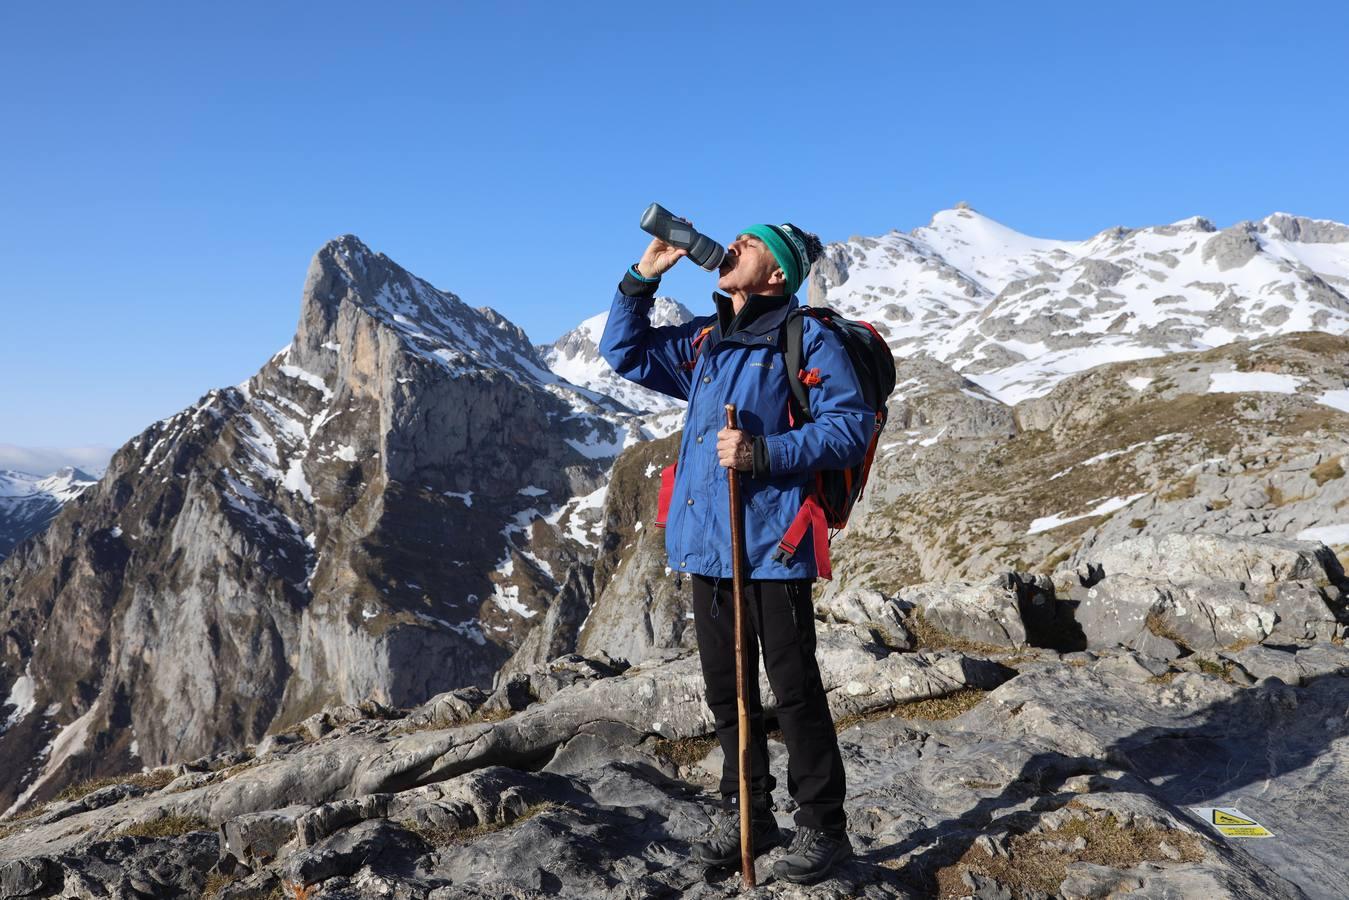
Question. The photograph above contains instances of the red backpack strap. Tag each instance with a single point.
(697, 341)
(667, 481)
(810, 515)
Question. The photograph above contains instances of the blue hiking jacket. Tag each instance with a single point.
(746, 368)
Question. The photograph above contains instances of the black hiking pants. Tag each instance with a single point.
(782, 624)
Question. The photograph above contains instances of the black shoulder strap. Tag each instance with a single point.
(795, 353)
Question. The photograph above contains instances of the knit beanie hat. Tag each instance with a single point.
(793, 249)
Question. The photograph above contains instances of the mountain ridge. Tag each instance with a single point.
(1018, 314)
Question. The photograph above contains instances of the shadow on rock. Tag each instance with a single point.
(1261, 732)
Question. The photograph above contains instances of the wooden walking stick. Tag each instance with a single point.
(741, 666)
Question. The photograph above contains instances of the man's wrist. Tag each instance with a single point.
(636, 269)
(759, 458)
(637, 285)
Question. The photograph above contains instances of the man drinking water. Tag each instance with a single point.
(735, 356)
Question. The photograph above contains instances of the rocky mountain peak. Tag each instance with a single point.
(381, 511)
(71, 473)
(433, 324)
(1300, 229)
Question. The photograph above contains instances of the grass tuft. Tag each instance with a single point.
(927, 636)
(947, 706)
(1328, 470)
(216, 882)
(684, 751)
(1217, 669)
(450, 837)
(1038, 862)
(165, 826)
(153, 780)
(1157, 624)
(1181, 490)
(482, 716)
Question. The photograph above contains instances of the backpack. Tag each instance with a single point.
(835, 491)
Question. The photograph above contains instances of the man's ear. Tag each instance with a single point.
(778, 277)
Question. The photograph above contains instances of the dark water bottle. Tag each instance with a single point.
(677, 232)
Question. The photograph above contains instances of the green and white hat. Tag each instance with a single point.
(788, 248)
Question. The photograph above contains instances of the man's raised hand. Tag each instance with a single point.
(658, 258)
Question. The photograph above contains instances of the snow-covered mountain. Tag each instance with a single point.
(29, 502)
(575, 356)
(1017, 314)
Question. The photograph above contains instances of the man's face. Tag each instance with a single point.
(750, 268)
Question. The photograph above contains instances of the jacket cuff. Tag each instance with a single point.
(634, 285)
(762, 469)
(776, 449)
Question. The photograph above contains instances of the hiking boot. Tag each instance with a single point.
(812, 854)
(722, 846)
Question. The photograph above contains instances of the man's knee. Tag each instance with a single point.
(795, 679)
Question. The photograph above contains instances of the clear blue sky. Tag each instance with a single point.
(169, 169)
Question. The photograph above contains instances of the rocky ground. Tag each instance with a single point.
(986, 757)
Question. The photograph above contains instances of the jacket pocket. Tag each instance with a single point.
(771, 506)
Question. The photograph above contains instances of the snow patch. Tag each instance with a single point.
(1337, 399)
(295, 481)
(1326, 534)
(507, 599)
(69, 741)
(1105, 507)
(977, 396)
(22, 696)
(1267, 382)
(596, 447)
(928, 442)
(308, 378)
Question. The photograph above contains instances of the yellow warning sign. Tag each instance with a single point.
(1232, 822)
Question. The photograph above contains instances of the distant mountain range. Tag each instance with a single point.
(1017, 314)
(29, 502)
